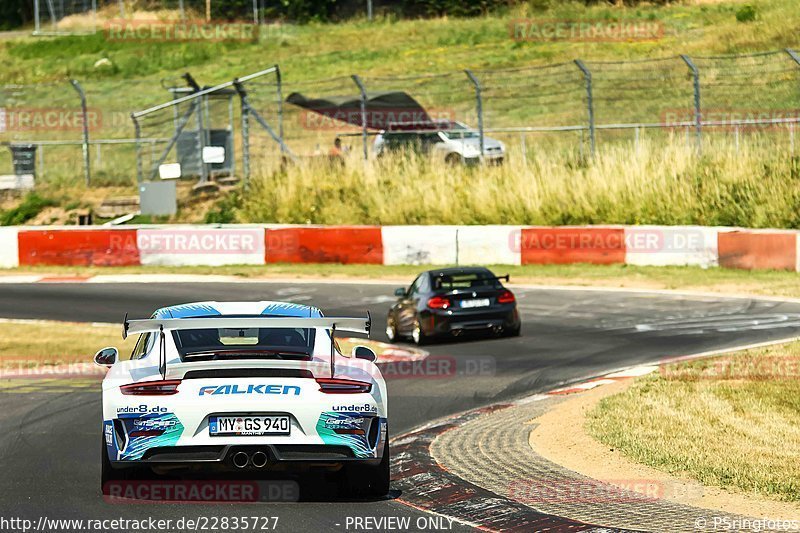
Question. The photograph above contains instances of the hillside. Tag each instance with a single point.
(121, 76)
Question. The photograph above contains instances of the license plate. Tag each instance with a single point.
(248, 426)
(480, 302)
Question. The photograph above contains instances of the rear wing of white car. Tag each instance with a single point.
(355, 325)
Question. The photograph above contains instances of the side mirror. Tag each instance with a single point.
(362, 352)
(400, 292)
(106, 357)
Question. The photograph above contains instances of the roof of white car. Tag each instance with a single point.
(260, 308)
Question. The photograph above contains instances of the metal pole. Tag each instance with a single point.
(122, 8)
(279, 91)
(137, 134)
(523, 146)
(180, 6)
(255, 12)
(245, 139)
(364, 134)
(201, 138)
(698, 118)
(369, 10)
(84, 112)
(37, 26)
(478, 106)
(263, 123)
(587, 76)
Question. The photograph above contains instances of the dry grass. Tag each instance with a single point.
(54, 343)
(731, 422)
(663, 182)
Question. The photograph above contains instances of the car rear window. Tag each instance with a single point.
(465, 281)
(244, 343)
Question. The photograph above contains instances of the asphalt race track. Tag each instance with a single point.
(49, 442)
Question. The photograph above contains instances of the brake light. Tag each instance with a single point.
(151, 388)
(438, 302)
(343, 386)
(506, 297)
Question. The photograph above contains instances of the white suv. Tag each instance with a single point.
(454, 142)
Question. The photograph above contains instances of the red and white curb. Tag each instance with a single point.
(430, 487)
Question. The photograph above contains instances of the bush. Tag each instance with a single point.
(31, 206)
(746, 13)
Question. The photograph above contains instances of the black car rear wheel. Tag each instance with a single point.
(417, 335)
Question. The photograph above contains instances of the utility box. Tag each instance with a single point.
(24, 159)
(158, 198)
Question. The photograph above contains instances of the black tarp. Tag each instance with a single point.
(395, 108)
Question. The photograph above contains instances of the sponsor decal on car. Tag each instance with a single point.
(143, 408)
(357, 408)
(250, 389)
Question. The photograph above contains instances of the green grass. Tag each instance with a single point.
(764, 282)
(391, 46)
(731, 422)
(550, 182)
(30, 206)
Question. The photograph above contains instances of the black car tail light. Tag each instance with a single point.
(151, 388)
(506, 297)
(439, 302)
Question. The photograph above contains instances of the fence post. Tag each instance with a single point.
(364, 135)
(85, 115)
(245, 137)
(478, 105)
(796, 58)
(698, 118)
(121, 8)
(137, 135)
(279, 90)
(587, 76)
(36, 25)
(237, 84)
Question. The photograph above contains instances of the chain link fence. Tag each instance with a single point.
(578, 107)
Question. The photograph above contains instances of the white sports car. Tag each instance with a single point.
(245, 386)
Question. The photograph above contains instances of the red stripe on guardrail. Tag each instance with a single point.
(324, 245)
(758, 249)
(78, 247)
(572, 245)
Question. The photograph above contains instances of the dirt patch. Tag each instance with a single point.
(569, 445)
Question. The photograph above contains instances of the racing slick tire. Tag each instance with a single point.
(107, 473)
(367, 481)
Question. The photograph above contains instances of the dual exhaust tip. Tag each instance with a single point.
(242, 459)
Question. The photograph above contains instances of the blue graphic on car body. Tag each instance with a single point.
(145, 431)
(358, 440)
